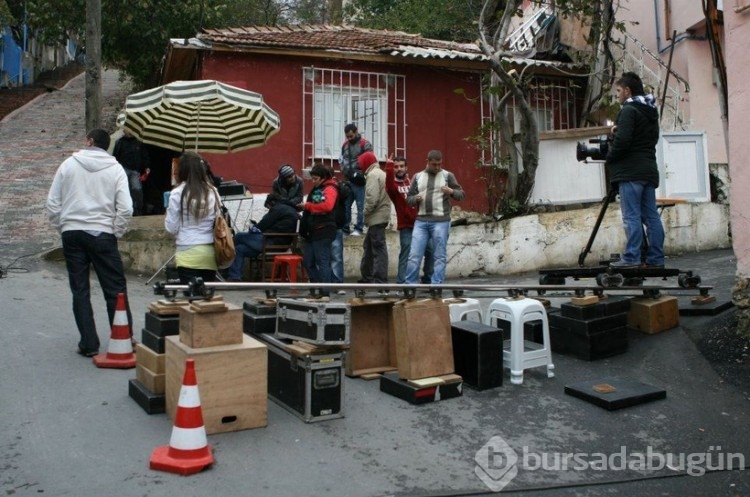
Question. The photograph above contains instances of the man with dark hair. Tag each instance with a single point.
(318, 227)
(133, 156)
(280, 218)
(397, 184)
(89, 204)
(431, 191)
(632, 169)
(288, 186)
(354, 146)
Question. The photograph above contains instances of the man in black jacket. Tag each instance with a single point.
(632, 168)
(280, 218)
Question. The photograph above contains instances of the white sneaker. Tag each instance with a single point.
(384, 293)
(341, 292)
(356, 233)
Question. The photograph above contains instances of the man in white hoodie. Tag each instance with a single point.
(89, 204)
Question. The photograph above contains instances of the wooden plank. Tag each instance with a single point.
(203, 307)
(587, 300)
(426, 382)
(370, 376)
(149, 359)
(451, 378)
(154, 382)
(424, 345)
(703, 299)
(369, 371)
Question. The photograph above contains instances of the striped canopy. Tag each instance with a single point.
(204, 116)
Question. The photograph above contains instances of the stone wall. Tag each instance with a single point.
(495, 248)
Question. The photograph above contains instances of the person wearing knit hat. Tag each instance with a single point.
(377, 211)
(354, 146)
(288, 186)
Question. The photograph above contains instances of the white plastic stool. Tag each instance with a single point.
(463, 309)
(521, 354)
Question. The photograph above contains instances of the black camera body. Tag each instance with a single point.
(596, 149)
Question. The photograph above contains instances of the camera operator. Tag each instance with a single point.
(631, 165)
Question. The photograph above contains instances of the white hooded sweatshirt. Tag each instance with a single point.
(90, 192)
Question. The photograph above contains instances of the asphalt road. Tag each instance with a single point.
(69, 428)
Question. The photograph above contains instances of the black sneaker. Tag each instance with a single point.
(87, 353)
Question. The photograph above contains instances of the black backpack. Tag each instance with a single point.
(339, 211)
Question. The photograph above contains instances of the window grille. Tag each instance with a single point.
(332, 98)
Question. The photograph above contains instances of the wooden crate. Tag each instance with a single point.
(424, 346)
(149, 359)
(372, 347)
(154, 382)
(211, 329)
(232, 382)
(654, 315)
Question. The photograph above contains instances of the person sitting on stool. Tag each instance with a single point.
(280, 218)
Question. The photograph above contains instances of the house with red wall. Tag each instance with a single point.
(406, 94)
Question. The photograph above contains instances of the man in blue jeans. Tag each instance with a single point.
(354, 146)
(632, 169)
(431, 191)
(89, 204)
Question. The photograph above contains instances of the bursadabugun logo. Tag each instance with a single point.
(496, 464)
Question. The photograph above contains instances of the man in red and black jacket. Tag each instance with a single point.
(318, 226)
(397, 184)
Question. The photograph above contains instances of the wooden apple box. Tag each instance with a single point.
(424, 345)
(149, 359)
(232, 382)
(372, 343)
(154, 382)
(653, 315)
(209, 329)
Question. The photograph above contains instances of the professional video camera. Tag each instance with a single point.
(597, 151)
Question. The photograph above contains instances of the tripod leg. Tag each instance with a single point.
(605, 203)
(160, 269)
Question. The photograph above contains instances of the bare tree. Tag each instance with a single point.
(494, 29)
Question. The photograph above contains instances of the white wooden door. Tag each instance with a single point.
(683, 166)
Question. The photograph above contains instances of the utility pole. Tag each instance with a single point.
(93, 64)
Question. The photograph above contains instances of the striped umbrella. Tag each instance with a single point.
(204, 116)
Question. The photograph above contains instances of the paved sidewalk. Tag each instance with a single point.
(35, 140)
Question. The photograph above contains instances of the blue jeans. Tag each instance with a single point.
(317, 261)
(638, 205)
(246, 244)
(337, 258)
(404, 237)
(358, 195)
(81, 251)
(424, 232)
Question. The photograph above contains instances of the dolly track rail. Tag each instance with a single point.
(199, 289)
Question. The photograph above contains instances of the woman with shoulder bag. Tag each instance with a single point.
(191, 212)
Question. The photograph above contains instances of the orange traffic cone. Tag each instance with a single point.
(188, 451)
(120, 348)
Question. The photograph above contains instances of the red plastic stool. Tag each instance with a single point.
(285, 268)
